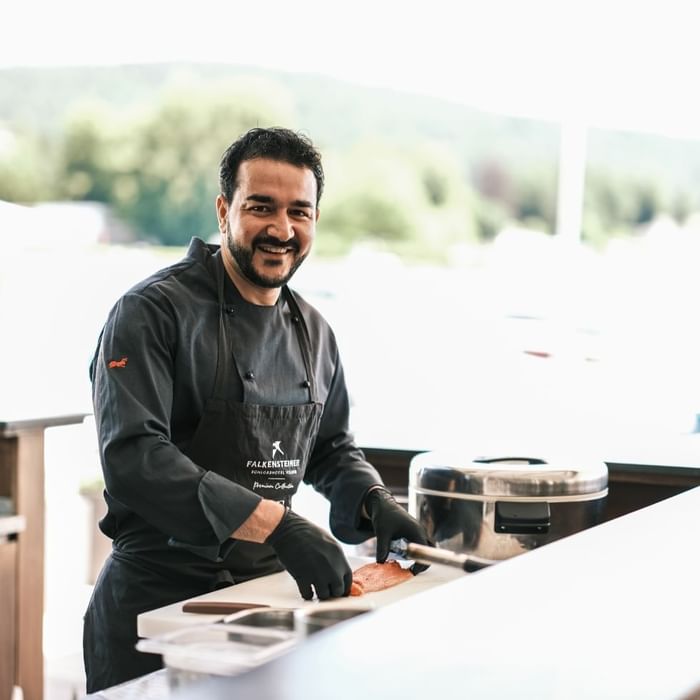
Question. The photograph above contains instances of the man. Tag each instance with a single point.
(216, 391)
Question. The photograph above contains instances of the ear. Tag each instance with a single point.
(221, 212)
(318, 213)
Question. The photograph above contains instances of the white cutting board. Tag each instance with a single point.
(280, 590)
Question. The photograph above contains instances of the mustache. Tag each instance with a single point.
(266, 239)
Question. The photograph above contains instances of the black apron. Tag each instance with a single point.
(262, 447)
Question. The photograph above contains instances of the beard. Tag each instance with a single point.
(244, 259)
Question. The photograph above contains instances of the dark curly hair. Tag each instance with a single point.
(276, 144)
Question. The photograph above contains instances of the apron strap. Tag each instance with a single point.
(304, 341)
(224, 356)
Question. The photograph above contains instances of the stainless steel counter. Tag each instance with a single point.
(612, 612)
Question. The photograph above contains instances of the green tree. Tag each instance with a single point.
(158, 167)
(27, 167)
(174, 166)
(619, 204)
(86, 154)
(648, 204)
(406, 200)
(534, 198)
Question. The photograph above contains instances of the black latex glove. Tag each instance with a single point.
(312, 557)
(391, 522)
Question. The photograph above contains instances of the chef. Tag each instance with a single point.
(216, 391)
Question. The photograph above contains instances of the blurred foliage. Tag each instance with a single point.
(616, 205)
(414, 175)
(26, 166)
(158, 167)
(403, 199)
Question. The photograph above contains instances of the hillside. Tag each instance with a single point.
(338, 113)
(630, 175)
(334, 112)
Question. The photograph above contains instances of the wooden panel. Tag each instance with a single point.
(8, 554)
(625, 496)
(22, 479)
(30, 563)
(392, 465)
(8, 467)
(655, 475)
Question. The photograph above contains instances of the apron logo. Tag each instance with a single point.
(274, 467)
(118, 363)
(276, 448)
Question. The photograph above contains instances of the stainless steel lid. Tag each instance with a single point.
(518, 478)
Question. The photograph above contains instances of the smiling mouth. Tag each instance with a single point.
(276, 250)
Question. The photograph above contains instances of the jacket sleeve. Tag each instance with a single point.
(132, 375)
(338, 468)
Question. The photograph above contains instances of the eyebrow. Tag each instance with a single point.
(266, 199)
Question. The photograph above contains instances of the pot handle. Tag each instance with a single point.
(522, 518)
(491, 460)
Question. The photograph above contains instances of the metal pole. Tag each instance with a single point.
(572, 179)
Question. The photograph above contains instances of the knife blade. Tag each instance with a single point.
(425, 554)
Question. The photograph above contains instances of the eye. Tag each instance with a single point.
(259, 208)
(301, 213)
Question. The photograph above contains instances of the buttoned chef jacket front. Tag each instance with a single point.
(152, 372)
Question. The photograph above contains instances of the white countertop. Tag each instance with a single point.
(280, 590)
(611, 613)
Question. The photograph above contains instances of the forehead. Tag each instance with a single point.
(276, 178)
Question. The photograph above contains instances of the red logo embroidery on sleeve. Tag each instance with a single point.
(118, 363)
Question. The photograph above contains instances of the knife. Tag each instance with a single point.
(424, 554)
(218, 607)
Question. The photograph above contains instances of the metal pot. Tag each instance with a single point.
(497, 507)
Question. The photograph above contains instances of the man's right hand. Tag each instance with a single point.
(312, 557)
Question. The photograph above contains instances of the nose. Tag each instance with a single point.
(282, 228)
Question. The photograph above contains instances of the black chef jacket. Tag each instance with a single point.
(165, 331)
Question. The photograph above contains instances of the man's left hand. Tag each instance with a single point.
(391, 522)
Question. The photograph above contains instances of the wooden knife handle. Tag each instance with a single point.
(218, 607)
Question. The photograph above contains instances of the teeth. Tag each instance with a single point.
(273, 249)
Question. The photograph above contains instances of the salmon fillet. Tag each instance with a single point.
(376, 577)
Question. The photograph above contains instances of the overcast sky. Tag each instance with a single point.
(612, 63)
